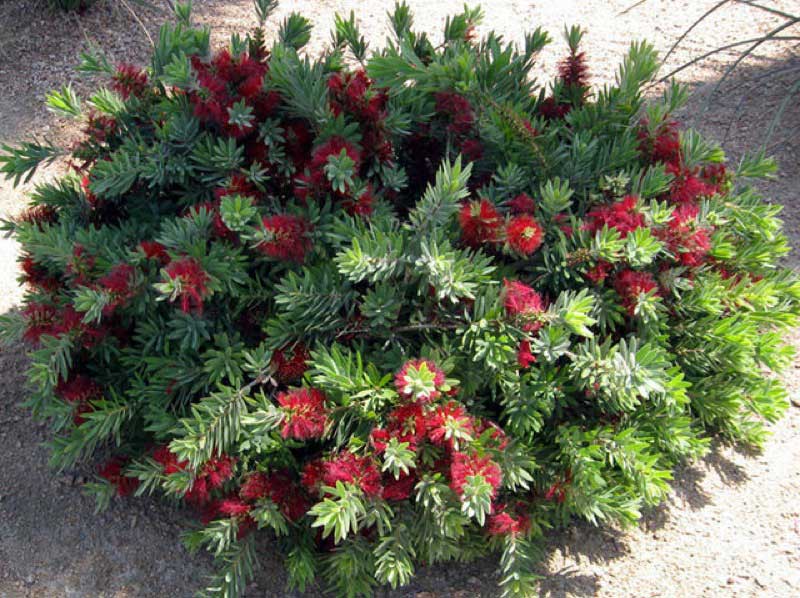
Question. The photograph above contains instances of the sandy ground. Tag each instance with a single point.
(732, 525)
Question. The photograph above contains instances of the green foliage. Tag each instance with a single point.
(414, 313)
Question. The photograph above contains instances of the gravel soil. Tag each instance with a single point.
(732, 524)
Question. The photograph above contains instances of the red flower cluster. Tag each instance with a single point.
(505, 522)
(289, 362)
(79, 391)
(226, 80)
(524, 234)
(286, 237)
(458, 111)
(522, 204)
(354, 94)
(305, 415)
(37, 215)
(573, 71)
(278, 487)
(119, 283)
(524, 355)
(445, 420)
(345, 467)
(466, 465)
(111, 470)
(687, 187)
(630, 285)
(480, 223)
(211, 476)
(524, 304)
(154, 250)
(314, 182)
(688, 242)
(664, 145)
(45, 319)
(407, 380)
(621, 215)
(37, 276)
(599, 272)
(81, 266)
(406, 423)
(191, 281)
(129, 80)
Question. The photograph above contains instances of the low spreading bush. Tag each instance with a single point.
(396, 309)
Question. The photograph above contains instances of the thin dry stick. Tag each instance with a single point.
(138, 20)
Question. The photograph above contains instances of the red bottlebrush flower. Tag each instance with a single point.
(630, 285)
(255, 486)
(407, 424)
(472, 150)
(212, 475)
(286, 237)
(524, 304)
(663, 145)
(91, 198)
(289, 362)
(480, 223)
(362, 206)
(522, 204)
(621, 215)
(598, 273)
(111, 470)
(458, 110)
(400, 488)
(524, 235)
(218, 470)
(191, 281)
(573, 70)
(449, 424)
(503, 523)
(379, 439)
(419, 379)
(715, 176)
(129, 80)
(238, 185)
(155, 251)
(558, 490)
(551, 109)
(524, 356)
(37, 215)
(305, 413)
(44, 319)
(280, 489)
(233, 507)
(81, 265)
(311, 477)
(349, 468)
(79, 391)
(37, 276)
(686, 187)
(689, 243)
(334, 147)
(466, 465)
(168, 460)
(354, 94)
(118, 282)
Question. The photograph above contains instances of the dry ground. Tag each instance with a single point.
(732, 526)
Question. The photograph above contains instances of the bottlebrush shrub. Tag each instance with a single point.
(409, 311)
